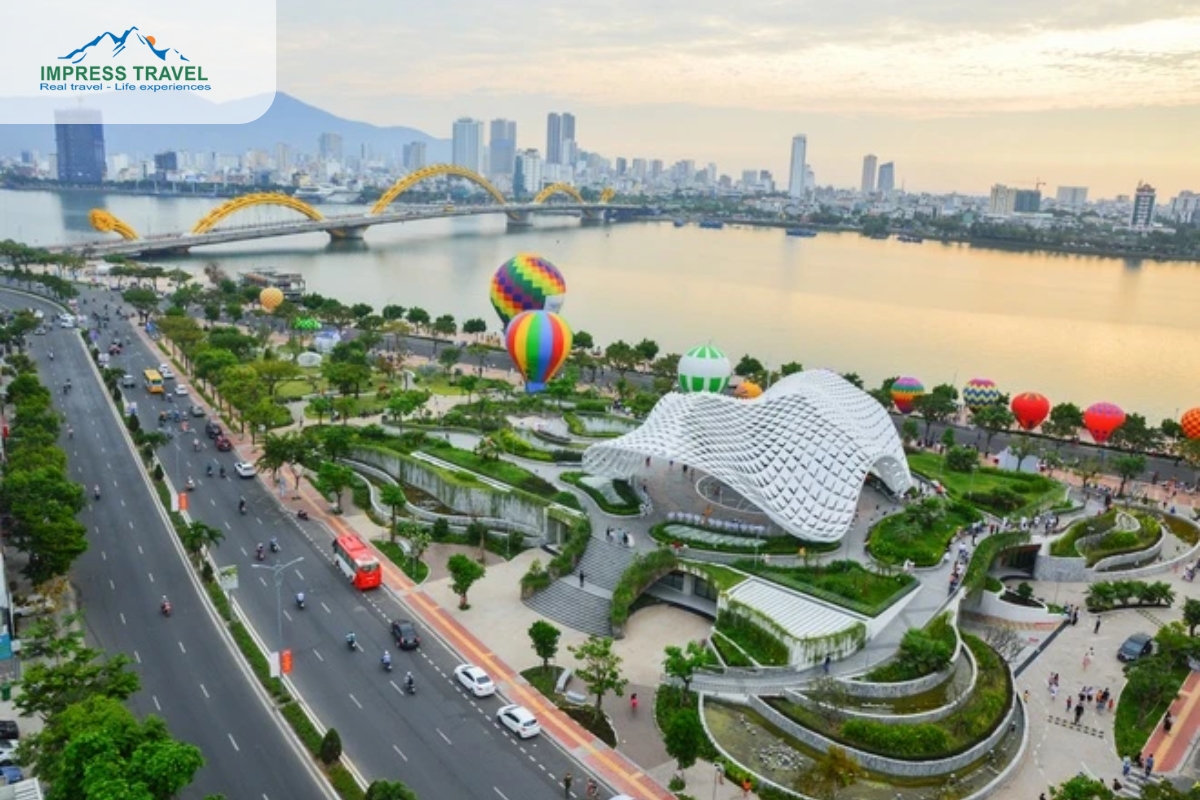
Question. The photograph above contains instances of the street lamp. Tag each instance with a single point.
(278, 569)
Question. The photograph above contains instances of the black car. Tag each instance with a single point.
(405, 634)
(9, 730)
(212, 430)
(1135, 647)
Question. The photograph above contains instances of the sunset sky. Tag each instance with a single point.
(959, 94)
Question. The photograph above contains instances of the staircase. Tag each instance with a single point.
(586, 609)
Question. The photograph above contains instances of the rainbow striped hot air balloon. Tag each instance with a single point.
(526, 282)
(905, 392)
(980, 392)
(539, 343)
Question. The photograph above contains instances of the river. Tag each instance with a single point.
(1075, 328)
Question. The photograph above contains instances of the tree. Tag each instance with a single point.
(1191, 614)
(1022, 447)
(479, 352)
(274, 372)
(331, 747)
(464, 572)
(1136, 434)
(392, 495)
(682, 663)
(684, 738)
(853, 379)
(909, 431)
(948, 438)
(418, 542)
(1128, 466)
(992, 419)
(621, 356)
(791, 368)
(417, 317)
(647, 349)
(389, 790)
(1081, 787)
(1088, 468)
(601, 669)
(144, 300)
(937, 406)
(582, 341)
(449, 357)
(401, 404)
(445, 325)
(196, 536)
(474, 325)
(1065, 419)
(545, 641)
(333, 479)
(392, 312)
(748, 367)
(834, 770)
(79, 674)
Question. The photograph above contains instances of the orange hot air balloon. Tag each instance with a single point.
(1190, 421)
(747, 390)
(270, 298)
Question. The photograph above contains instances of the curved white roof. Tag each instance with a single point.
(800, 452)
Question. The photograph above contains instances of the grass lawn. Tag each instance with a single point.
(771, 545)
(846, 583)
(543, 680)
(630, 505)
(724, 578)
(1130, 736)
(439, 384)
(732, 656)
(895, 538)
(1034, 490)
(498, 469)
(294, 390)
(395, 554)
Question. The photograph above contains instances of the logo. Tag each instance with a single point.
(138, 57)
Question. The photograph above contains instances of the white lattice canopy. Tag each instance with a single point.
(800, 451)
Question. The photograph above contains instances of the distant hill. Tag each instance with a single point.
(288, 120)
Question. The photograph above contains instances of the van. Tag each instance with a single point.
(66, 321)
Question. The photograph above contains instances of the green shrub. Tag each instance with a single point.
(844, 583)
(1000, 500)
(900, 741)
(344, 783)
(644, 570)
(303, 726)
(730, 654)
(922, 652)
(760, 644)
(983, 556)
(536, 577)
(572, 550)
(630, 503)
(1106, 595)
(331, 747)
(1064, 547)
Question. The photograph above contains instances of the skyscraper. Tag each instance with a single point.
(531, 171)
(414, 156)
(503, 147)
(868, 175)
(554, 138)
(329, 145)
(80, 138)
(1072, 196)
(1143, 207)
(887, 178)
(467, 144)
(799, 164)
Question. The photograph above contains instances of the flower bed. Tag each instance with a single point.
(713, 541)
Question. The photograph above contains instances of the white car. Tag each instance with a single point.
(518, 720)
(181, 390)
(165, 371)
(244, 469)
(474, 680)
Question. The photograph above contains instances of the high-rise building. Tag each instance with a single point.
(467, 144)
(283, 157)
(656, 168)
(798, 166)
(1143, 207)
(166, 162)
(554, 137)
(1071, 196)
(413, 155)
(749, 179)
(502, 147)
(887, 178)
(79, 135)
(531, 171)
(1003, 201)
(810, 178)
(1185, 208)
(621, 166)
(329, 146)
(1027, 201)
(868, 173)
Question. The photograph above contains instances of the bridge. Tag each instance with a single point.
(343, 227)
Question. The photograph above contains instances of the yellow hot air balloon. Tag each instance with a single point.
(270, 298)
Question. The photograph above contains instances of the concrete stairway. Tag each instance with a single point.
(586, 608)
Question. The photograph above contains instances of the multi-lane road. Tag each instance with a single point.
(441, 742)
(189, 673)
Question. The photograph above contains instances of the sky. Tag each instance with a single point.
(960, 94)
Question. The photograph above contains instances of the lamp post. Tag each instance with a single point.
(278, 569)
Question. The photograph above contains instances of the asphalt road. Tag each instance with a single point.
(441, 742)
(189, 675)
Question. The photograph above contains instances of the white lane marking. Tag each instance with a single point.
(289, 616)
(157, 705)
(397, 688)
(204, 690)
(327, 611)
(502, 795)
(355, 699)
(103, 556)
(298, 575)
(181, 648)
(141, 552)
(259, 521)
(131, 525)
(151, 574)
(444, 736)
(233, 742)
(399, 752)
(112, 585)
(137, 657)
(229, 527)
(317, 653)
(122, 503)
(264, 580)
(244, 552)
(123, 622)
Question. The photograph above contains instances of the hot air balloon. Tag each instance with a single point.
(539, 342)
(307, 324)
(1190, 421)
(1030, 409)
(270, 298)
(905, 392)
(527, 282)
(747, 390)
(704, 369)
(1101, 419)
(980, 392)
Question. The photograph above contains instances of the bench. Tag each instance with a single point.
(562, 682)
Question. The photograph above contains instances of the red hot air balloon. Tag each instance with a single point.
(1190, 422)
(539, 342)
(1030, 409)
(1102, 419)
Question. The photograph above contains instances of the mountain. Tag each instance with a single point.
(123, 46)
(289, 121)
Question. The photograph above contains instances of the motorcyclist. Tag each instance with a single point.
(222, 470)
(70, 432)
(96, 491)
(196, 445)
(351, 639)
(274, 545)
(165, 606)
(387, 660)
(208, 470)
(408, 681)
(259, 552)
(51, 355)
(242, 508)
(191, 484)
(300, 599)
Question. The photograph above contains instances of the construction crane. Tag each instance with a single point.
(1038, 183)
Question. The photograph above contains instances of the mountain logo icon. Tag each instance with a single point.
(113, 46)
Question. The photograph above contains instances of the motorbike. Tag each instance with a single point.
(410, 687)
(242, 507)
(274, 546)
(302, 514)
(351, 642)
(191, 485)
(96, 492)
(387, 665)
(166, 608)
(260, 554)
(300, 602)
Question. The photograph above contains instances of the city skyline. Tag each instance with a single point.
(1096, 95)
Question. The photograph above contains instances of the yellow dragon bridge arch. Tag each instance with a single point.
(210, 220)
(106, 222)
(433, 171)
(559, 188)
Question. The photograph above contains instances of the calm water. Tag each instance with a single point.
(1073, 328)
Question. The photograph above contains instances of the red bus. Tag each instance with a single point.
(355, 561)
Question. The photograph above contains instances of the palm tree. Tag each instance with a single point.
(392, 496)
(197, 536)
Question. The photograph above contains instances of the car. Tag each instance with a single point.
(474, 680)
(12, 774)
(196, 411)
(9, 730)
(405, 634)
(165, 371)
(1135, 647)
(245, 469)
(181, 390)
(212, 430)
(41, 330)
(519, 720)
(128, 381)
(223, 444)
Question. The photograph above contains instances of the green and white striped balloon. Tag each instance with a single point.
(704, 369)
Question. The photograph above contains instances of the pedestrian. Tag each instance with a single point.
(1168, 721)
(567, 784)
(1126, 767)
(746, 787)
(1097, 628)
(828, 660)
(1087, 657)
(720, 774)
(1078, 712)
(1149, 765)
(633, 702)
(1070, 702)
(582, 576)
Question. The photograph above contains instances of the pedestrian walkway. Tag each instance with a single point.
(1170, 749)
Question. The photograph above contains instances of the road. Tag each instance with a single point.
(424, 740)
(189, 675)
